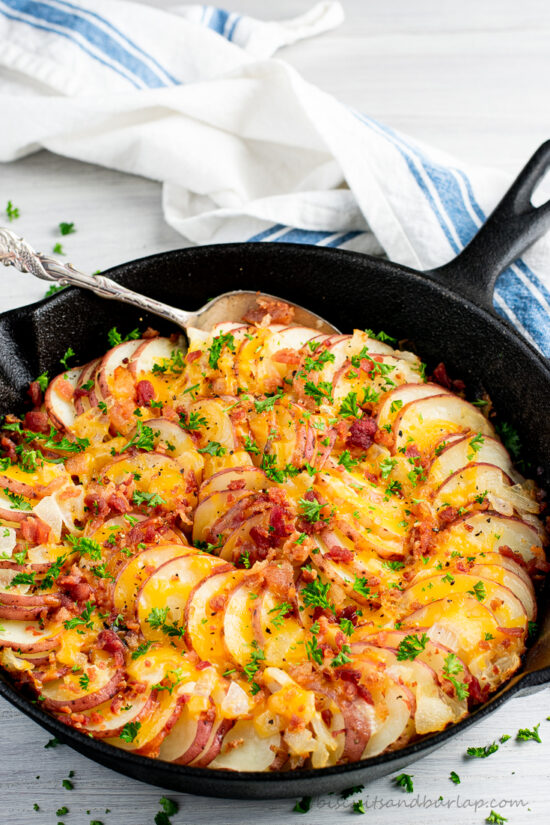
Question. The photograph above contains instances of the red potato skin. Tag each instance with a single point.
(216, 745)
(204, 729)
(225, 569)
(91, 700)
(10, 611)
(109, 733)
(152, 747)
(33, 647)
(49, 404)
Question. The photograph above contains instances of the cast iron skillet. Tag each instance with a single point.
(447, 313)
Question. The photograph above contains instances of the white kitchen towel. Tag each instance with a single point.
(245, 148)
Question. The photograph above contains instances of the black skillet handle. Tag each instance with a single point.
(508, 231)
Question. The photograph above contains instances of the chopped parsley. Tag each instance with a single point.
(452, 666)
(311, 510)
(144, 439)
(12, 212)
(149, 499)
(157, 621)
(17, 502)
(213, 448)
(346, 461)
(342, 657)
(404, 780)
(302, 805)
(175, 364)
(194, 421)
(267, 403)
(495, 818)
(410, 646)
(43, 380)
(386, 466)
(85, 546)
(67, 228)
(114, 337)
(315, 594)
(524, 734)
(130, 731)
(83, 620)
(141, 650)
(280, 611)
(69, 353)
(319, 392)
(478, 591)
(215, 349)
(252, 667)
(348, 407)
(317, 364)
(454, 777)
(483, 752)
(251, 446)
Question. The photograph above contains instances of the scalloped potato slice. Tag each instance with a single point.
(425, 421)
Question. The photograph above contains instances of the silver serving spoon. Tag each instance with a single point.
(231, 306)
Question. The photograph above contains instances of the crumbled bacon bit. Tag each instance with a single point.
(362, 433)
(34, 530)
(145, 393)
(340, 554)
(35, 393)
(36, 421)
(269, 311)
(237, 484)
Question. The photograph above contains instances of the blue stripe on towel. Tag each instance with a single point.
(512, 290)
(122, 36)
(95, 37)
(44, 28)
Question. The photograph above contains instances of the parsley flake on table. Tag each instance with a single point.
(454, 777)
(66, 228)
(482, 752)
(524, 734)
(12, 212)
(52, 743)
(347, 792)
(302, 805)
(169, 806)
(495, 819)
(405, 780)
(359, 807)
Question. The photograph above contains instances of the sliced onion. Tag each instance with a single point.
(49, 512)
(236, 702)
(440, 633)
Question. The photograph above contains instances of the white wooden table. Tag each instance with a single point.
(470, 77)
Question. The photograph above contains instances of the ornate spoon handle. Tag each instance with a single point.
(15, 251)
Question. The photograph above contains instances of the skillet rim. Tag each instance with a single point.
(218, 782)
